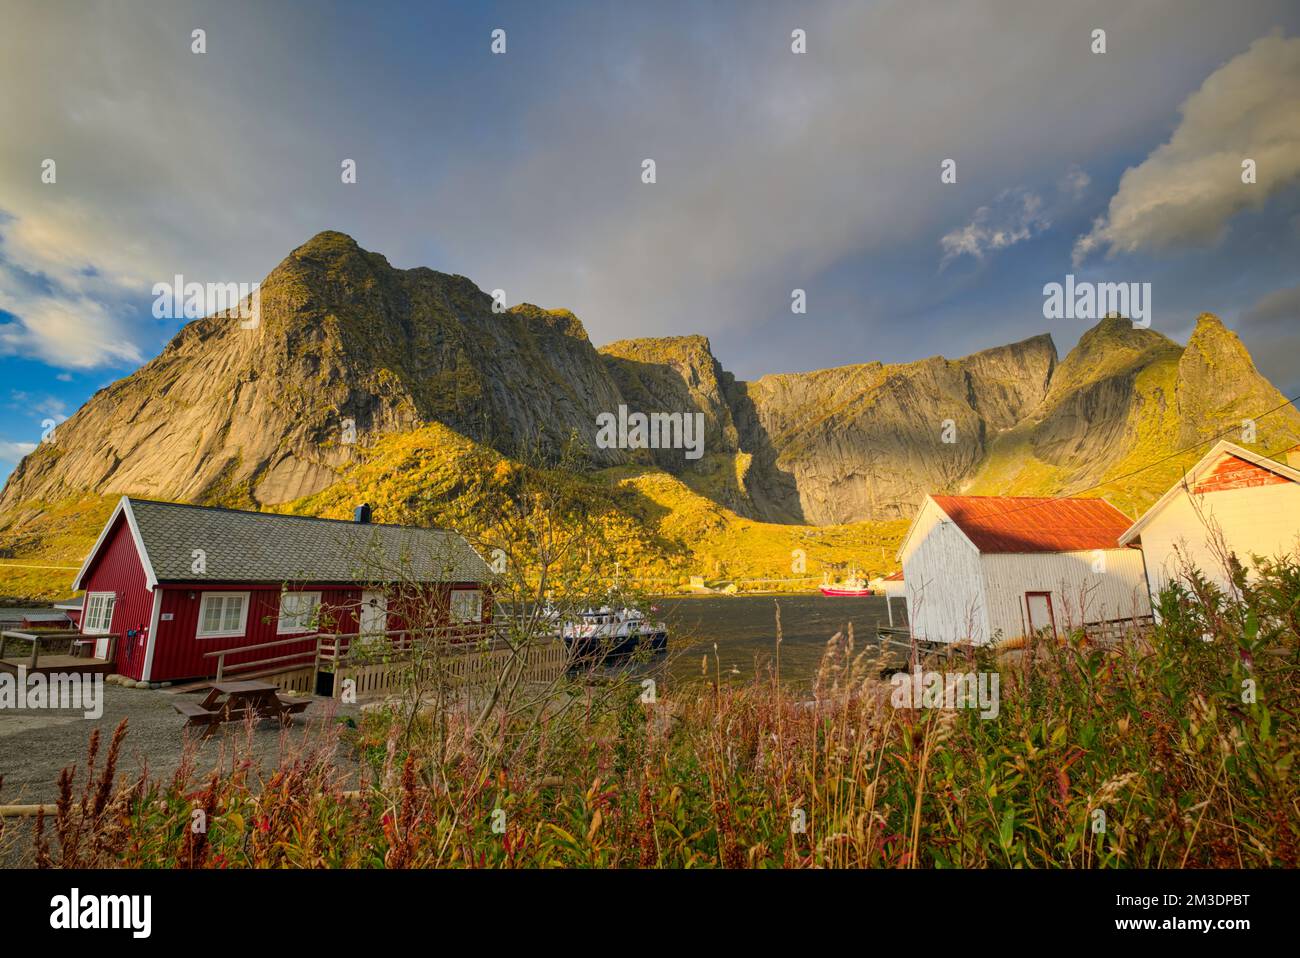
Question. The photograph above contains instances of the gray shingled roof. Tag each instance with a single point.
(265, 547)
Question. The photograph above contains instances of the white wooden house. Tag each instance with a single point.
(890, 585)
(984, 569)
(1233, 500)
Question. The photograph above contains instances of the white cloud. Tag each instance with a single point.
(1075, 182)
(155, 154)
(41, 405)
(1187, 190)
(79, 325)
(1013, 217)
(12, 452)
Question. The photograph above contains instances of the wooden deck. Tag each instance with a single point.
(56, 663)
(37, 661)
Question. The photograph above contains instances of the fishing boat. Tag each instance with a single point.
(854, 585)
(605, 633)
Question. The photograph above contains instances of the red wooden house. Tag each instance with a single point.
(176, 582)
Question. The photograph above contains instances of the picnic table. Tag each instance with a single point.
(234, 701)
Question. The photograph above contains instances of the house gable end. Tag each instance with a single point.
(1233, 472)
(1208, 465)
(123, 516)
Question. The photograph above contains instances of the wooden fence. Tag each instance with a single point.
(544, 660)
(378, 664)
(335, 648)
(1111, 631)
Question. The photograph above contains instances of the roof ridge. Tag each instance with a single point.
(287, 515)
(945, 495)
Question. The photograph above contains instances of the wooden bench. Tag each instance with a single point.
(292, 705)
(242, 699)
(193, 710)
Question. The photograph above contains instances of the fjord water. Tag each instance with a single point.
(744, 629)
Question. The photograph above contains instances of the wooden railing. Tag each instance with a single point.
(337, 647)
(330, 649)
(375, 662)
(303, 656)
(471, 664)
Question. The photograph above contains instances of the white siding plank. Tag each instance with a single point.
(1080, 595)
(1257, 520)
(943, 581)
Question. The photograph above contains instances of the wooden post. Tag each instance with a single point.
(36, 652)
(890, 609)
(221, 665)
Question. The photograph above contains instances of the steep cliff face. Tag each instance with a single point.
(1218, 383)
(675, 374)
(346, 349)
(868, 441)
(349, 350)
(1086, 413)
(1126, 398)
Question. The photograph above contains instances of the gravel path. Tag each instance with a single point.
(36, 745)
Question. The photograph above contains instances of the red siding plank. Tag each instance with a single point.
(1236, 473)
(117, 568)
(180, 653)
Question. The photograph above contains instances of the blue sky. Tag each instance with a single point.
(775, 170)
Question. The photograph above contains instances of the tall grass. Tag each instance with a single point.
(1153, 753)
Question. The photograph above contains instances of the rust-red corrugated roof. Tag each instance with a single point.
(1006, 524)
(895, 576)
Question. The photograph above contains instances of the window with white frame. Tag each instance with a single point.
(298, 612)
(222, 614)
(466, 605)
(98, 616)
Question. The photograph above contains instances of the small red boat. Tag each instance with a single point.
(854, 585)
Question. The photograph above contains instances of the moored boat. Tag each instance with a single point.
(605, 633)
(854, 585)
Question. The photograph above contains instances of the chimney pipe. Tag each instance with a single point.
(361, 514)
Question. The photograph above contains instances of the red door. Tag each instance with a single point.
(1041, 616)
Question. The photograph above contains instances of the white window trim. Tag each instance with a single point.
(279, 624)
(243, 616)
(86, 629)
(451, 610)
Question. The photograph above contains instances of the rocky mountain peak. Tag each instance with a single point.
(1212, 339)
(327, 243)
(349, 350)
(1218, 379)
(1113, 347)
